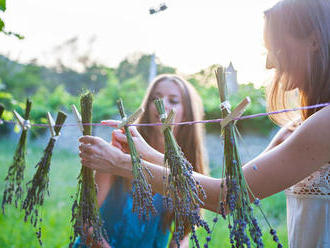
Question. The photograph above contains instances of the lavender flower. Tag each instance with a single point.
(85, 212)
(243, 226)
(13, 190)
(38, 186)
(141, 188)
(182, 191)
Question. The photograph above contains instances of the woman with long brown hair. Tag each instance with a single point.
(124, 228)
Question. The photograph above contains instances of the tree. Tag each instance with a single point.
(2, 23)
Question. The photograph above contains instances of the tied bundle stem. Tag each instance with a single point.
(141, 188)
(14, 180)
(37, 188)
(182, 191)
(85, 212)
(243, 226)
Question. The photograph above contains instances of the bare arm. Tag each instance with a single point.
(103, 182)
(305, 151)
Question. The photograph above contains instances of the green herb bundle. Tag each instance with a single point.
(182, 191)
(37, 188)
(141, 188)
(85, 212)
(244, 227)
(14, 180)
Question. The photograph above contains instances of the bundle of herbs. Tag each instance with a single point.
(183, 194)
(14, 180)
(85, 211)
(243, 225)
(141, 188)
(37, 188)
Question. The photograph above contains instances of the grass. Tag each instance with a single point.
(56, 227)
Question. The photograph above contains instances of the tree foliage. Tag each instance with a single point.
(56, 88)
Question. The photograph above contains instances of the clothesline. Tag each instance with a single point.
(192, 122)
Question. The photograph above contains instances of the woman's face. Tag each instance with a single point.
(173, 99)
(293, 64)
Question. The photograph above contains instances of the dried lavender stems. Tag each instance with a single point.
(141, 188)
(37, 188)
(14, 180)
(85, 212)
(243, 226)
(182, 191)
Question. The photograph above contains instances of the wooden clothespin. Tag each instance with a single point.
(78, 117)
(132, 118)
(236, 113)
(169, 120)
(51, 124)
(25, 124)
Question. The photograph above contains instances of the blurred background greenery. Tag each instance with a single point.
(52, 89)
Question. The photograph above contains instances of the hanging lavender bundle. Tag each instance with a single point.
(85, 212)
(14, 179)
(141, 188)
(182, 191)
(37, 188)
(243, 226)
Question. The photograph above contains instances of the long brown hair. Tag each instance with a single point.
(189, 137)
(302, 20)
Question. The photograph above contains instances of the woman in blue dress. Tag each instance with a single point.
(123, 227)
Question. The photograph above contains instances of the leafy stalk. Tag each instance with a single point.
(141, 188)
(14, 180)
(85, 212)
(37, 188)
(182, 191)
(244, 227)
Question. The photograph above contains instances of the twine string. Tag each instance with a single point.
(189, 122)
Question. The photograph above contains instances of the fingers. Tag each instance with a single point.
(111, 123)
(134, 131)
(86, 148)
(89, 139)
(115, 142)
(119, 136)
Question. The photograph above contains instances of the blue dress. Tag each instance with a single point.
(124, 228)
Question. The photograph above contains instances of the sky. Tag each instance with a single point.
(190, 35)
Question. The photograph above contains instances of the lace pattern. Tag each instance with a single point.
(316, 185)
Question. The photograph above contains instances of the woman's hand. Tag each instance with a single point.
(143, 148)
(100, 155)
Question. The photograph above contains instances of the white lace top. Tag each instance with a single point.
(316, 185)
